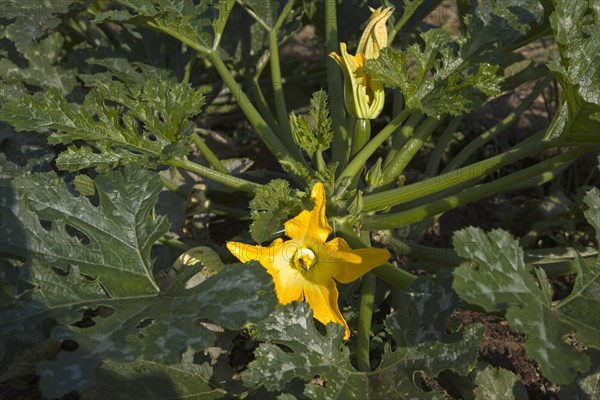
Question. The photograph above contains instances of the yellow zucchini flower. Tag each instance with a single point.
(363, 96)
(304, 267)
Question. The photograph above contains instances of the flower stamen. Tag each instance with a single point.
(304, 259)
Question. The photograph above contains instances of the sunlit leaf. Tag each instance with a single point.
(323, 363)
(440, 82)
(497, 279)
(576, 28)
(493, 382)
(154, 127)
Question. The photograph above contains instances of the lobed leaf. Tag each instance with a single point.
(576, 28)
(492, 382)
(201, 23)
(125, 123)
(497, 280)
(323, 363)
(272, 204)
(317, 134)
(91, 280)
(153, 380)
(440, 82)
(423, 310)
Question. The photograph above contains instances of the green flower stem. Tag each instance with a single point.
(392, 197)
(319, 161)
(494, 131)
(208, 154)
(216, 208)
(396, 167)
(373, 222)
(433, 164)
(388, 272)
(173, 187)
(394, 275)
(278, 93)
(361, 135)
(341, 138)
(359, 161)
(261, 104)
(173, 243)
(225, 179)
(442, 256)
(401, 136)
(363, 340)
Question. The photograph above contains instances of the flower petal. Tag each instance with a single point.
(374, 37)
(276, 260)
(322, 297)
(310, 227)
(345, 265)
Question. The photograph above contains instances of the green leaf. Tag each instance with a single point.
(423, 311)
(28, 21)
(84, 185)
(440, 82)
(150, 380)
(272, 204)
(494, 383)
(496, 278)
(80, 239)
(587, 385)
(577, 310)
(91, 281)
(494, 29)
(42, 70)
(154, 126)
(310, 357)
(160, 328)
(576, 28)
(198, 23)
(317, 134)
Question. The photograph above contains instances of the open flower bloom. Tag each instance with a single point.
(304, 267)
(363, 96)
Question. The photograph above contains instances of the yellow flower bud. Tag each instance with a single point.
(363, 97)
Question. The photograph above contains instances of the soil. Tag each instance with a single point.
(503, 348)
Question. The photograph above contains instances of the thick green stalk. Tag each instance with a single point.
(393, 197)
(394, 275)
(225, 179)
(401, 136)
(397, 166)
(359, 161)
(174, 243)
(361, 135)
(433, 164)
(374, 222)
(555, 261)
(173, 187)
(261, 104)
(278, 93)
(425, 253)
(497, 129)
(367, 303)
(341, 139)
(208, 154)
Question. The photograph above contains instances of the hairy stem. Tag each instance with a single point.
(371, 222)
